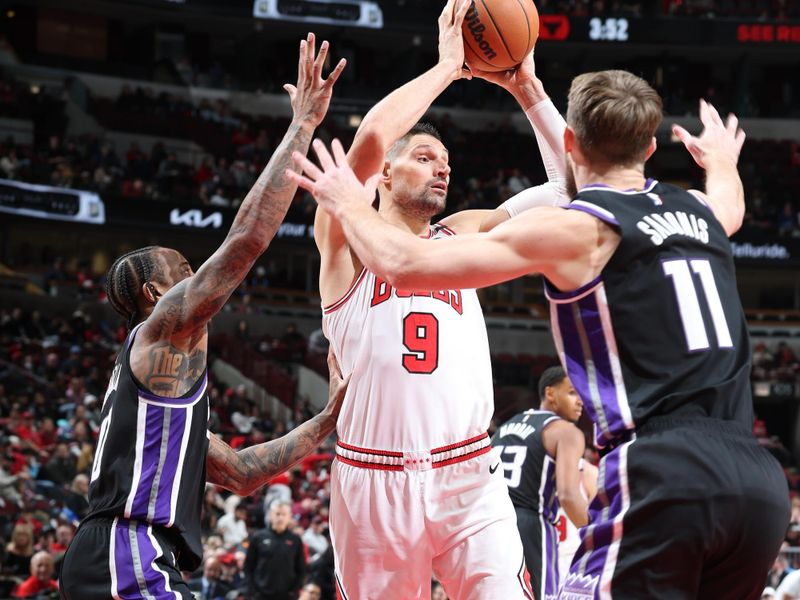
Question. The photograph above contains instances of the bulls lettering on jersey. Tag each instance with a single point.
(150, 463)
(420, 363)
(629, 353)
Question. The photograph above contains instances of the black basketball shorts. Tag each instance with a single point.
(112, 558)
(689, 508)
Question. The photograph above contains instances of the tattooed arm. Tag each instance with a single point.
(245, 471)
(188, 306)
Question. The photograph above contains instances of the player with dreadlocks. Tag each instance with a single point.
(154, 453)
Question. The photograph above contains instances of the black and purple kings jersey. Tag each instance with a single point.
(630, 354)
(150, 464)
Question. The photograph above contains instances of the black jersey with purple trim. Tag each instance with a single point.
(529, 471)
(150, 463)
(661, 331)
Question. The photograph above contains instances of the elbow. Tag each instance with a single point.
(401, 273)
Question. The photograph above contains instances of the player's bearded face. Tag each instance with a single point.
(422, 200)
(420, 177)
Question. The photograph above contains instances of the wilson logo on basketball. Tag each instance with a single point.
(476, 29)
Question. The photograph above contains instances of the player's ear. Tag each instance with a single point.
(569, 139)
(650, 148)
(150, 292)
(386, 175)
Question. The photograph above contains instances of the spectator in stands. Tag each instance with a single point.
(9, 479)
(232, 565)
(19, 550)
(786, 364)
(245, 416)
(218, 198)
(437, 591)
(321, 572)
(10, 164)
(762, 361)
(310, 591)
(279, 490)
(64, 535)
(789, 589)
(318, 343)
(41, 578)
(77, 499)
(780, 568)
(213, 508)
(233, 524)
(275, 563)
(315, 538)
(210, 586)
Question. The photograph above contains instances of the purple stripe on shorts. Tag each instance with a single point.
(154, 422)
(603, 530)
(174, 443)
(550, 548)
(127, 587)
(147, 554)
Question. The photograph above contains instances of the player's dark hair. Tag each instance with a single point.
(551, 376)
(423, 127)
(124, 281)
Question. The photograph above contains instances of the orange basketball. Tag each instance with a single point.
(499, 34)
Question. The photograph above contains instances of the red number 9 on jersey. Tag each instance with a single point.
(421, 337)
(561, 527)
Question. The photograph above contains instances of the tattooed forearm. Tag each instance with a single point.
(266, 203)
(245, 471)
(254, 226)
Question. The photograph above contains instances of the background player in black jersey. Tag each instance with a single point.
(542, 454)
(648, 324)
(154, 451)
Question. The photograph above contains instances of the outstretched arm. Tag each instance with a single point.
(188, 306)
(548, 126)
(384, 124)
(244, 471)
(543, 240)
(717, 150)
(398, 112)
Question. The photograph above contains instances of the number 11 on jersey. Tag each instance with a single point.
(689, 304)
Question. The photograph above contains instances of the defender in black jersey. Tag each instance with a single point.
(154, 452)
(541, 452)
(650, 330)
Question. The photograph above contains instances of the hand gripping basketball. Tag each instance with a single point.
(334, 185)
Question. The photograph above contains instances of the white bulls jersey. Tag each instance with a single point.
(569, 539)
(420, 361)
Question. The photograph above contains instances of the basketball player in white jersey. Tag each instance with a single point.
(414, 488)
(665, 377)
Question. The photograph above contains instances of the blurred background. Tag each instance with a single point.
(130, 123)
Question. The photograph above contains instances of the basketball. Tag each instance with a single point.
(499, 34)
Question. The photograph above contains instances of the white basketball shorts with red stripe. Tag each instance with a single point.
(399, 517)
